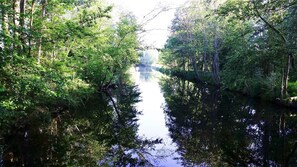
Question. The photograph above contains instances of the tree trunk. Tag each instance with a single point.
(191, 53)
(215, 58)
(16, 12)
(31, 26)
(15, 19)
(43, 14)
(22, 24)
(285, 77)
(204, 63)
(282, 79)
(43, 11)
(4, 27)
(22, 12)
(216, 65)
(193, 60)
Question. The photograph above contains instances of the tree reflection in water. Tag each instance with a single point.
(100, 133)
(213, 128)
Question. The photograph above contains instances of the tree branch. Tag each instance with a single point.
(269, 24)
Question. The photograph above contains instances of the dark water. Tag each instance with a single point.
(162, 122)
(213, 128)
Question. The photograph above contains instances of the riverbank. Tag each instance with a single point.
(206, 78)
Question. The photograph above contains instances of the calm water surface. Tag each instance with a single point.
(152, 122)
(161, 122)
(202, 126)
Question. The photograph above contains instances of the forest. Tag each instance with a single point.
(66, 98)
(62, 64)
(247, 46)
(57, 54)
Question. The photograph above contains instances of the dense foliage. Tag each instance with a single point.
(55, 54)
(244, 45)
(64, 94)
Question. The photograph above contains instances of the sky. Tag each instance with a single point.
(157, 30)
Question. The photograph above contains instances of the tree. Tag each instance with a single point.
(272, 14)
(198, 31)
(242, 45)
(58, 53)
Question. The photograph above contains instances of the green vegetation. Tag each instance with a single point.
(246, 45)
(292, 88)
(65, 99)
(54, 55)
(93, 134)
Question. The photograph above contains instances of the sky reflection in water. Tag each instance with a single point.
(152, 120)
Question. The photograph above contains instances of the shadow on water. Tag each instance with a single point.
(99, 134)
(213, 128)
(207, 127)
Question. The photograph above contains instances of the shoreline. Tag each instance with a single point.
(289, 102)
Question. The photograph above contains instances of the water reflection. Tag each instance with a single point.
(145, 74)
(198, 125)
(102, 133)
(152, 120)
(221, 129)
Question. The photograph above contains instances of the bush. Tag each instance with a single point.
(292, 88)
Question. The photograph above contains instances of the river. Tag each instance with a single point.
(202, 126)
(152, 122)
(157, 120)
